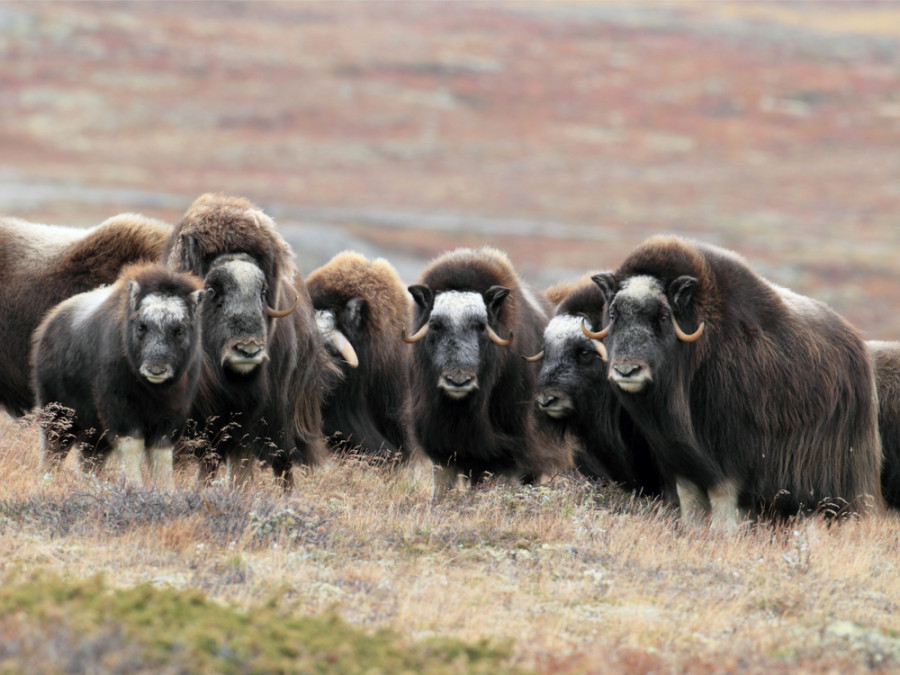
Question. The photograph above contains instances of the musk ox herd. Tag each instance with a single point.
(682, 375)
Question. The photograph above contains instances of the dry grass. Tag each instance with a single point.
(579, 578)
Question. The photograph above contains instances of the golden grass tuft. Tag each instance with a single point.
(577, 577)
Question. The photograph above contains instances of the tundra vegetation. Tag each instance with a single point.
(357, 570)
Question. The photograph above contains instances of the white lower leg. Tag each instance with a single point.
(723, 499)
(445, 479)
(159, 460)
(126, 458)
(692, 501)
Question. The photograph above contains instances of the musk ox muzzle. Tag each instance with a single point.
(631, 375)
(457, 384)
(156, 373)
(554, 403)
(242, 356)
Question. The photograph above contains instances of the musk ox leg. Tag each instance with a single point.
(446, 478)
(160, 463)
(126, 458)
(723, 500)
(692, 500)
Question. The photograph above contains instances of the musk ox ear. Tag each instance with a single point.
(681, 291)
(493, 299)
(134, 289)
(423, 296)
(606, 282)
(353, 312)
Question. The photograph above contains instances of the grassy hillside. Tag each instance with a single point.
(569, 577)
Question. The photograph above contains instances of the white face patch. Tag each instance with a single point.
(162, 309)
(641, 287)
(325, 322)
(458, 308)
(246, 274)
(88, 303)
(562, 328)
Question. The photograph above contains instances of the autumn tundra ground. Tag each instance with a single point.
(567, 577)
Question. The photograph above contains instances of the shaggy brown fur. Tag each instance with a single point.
(562, 290)
(371, 307)
(41, 265)
(494, 428)
(277, 408)
(886, 358)
(773, 406)
(216, 224)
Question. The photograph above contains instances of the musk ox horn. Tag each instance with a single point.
(684, 337)
(345, 349)
(496, 339)
(534, 359)
(275, 314)
(415, 337)
(591, 334)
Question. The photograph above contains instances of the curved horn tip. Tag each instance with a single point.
(601, 350)
(685, 337)
(276, 314)
(591, 334)
(497, 340)
(415, 337)
(345, 349)
(534, 359)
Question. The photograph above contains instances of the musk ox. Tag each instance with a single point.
(126, 359)
(886, 360)
(472, 394)
(575, 395)
(42, 265)
(755, 400)
(263, 360)
(361, 308)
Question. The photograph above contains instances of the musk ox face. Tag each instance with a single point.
(161, 333)
(457, 336)
(336, 325)
(571, 367)
(643, 334)
(235, 328)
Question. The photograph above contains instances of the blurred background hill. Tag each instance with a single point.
(564, 133)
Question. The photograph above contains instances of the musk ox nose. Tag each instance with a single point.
(630, 375)
(156, 372)
(627, 369)
(554, 404)
(546, 400)
(248, 349)
(242, 356)
(458, 383)
(459, 379)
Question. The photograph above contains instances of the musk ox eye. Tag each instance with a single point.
(178, 332)
(141, 329)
